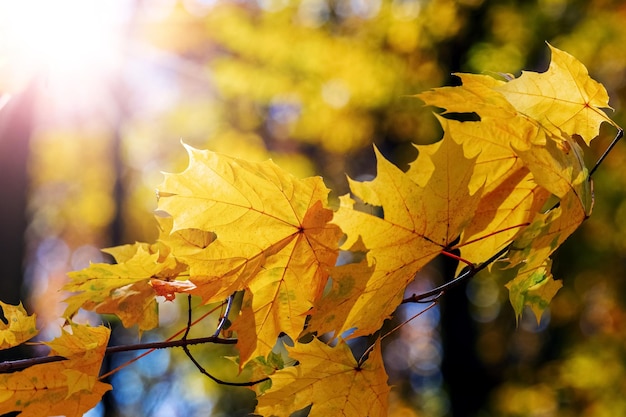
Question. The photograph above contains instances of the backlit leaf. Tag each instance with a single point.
(273, 238)
(421, 218)
(122, 289)
(533, 286)
(563, 98)
(19, 326)
(329, 379)
(69, 387)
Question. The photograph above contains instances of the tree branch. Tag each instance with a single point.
(20, 364)
(200, 367)
(467, 273)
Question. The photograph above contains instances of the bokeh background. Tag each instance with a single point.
(96, 96)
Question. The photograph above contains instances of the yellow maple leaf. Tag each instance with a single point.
(563, 98)
(421, 218)
(69, 387)
(329, 379)
(273, 237)
(19, 326)
(522, 157)
(503, 212)
(332, 313)
(477, 95)
(558, 167)
(122, 289)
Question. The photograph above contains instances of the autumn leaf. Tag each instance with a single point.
(533, 286)
(273, 238)
(332, 313)
(477, 95)
(69, 387)
(122, 289)
(558, 167)
(564, 98)
(527, 263)
(511, 196)
(522, 157)
(18, 327)
(329, 379)
(421, 218)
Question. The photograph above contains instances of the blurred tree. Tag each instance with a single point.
(16, 126)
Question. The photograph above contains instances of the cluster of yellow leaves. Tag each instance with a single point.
(485, 183)
(514, 177)
(69, 387)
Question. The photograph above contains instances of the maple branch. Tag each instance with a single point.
(200, 367)
(618, 136)
(432, 304)
(16, 365)
(471, 270)
(467, 273)
(2, 317)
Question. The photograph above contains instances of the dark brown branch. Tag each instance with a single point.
(200, 367)
(10, 366)
(618, 136)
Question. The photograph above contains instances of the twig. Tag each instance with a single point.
(620, 134)
(16, 365)
(369, 349)
(465, 275)
(201, 368)
(224, 318)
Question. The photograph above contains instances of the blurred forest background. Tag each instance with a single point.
(95, 98)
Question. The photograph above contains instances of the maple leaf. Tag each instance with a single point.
(564, 98)
(512, 137)
(477, 95)
(69, 387)
(124, 288)
(533, 286)
(329, 379)
(273, 237)
(511, 196)
(421, 218)
(332, 313)
(19, 326)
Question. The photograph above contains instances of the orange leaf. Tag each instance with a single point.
(168, 289)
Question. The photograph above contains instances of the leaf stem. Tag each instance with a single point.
(200, 367)
(618, 136)
(432, 304)
(135, 359)
(466, 274)
(224, 318)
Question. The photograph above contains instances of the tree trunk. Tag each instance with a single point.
(16, 126)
